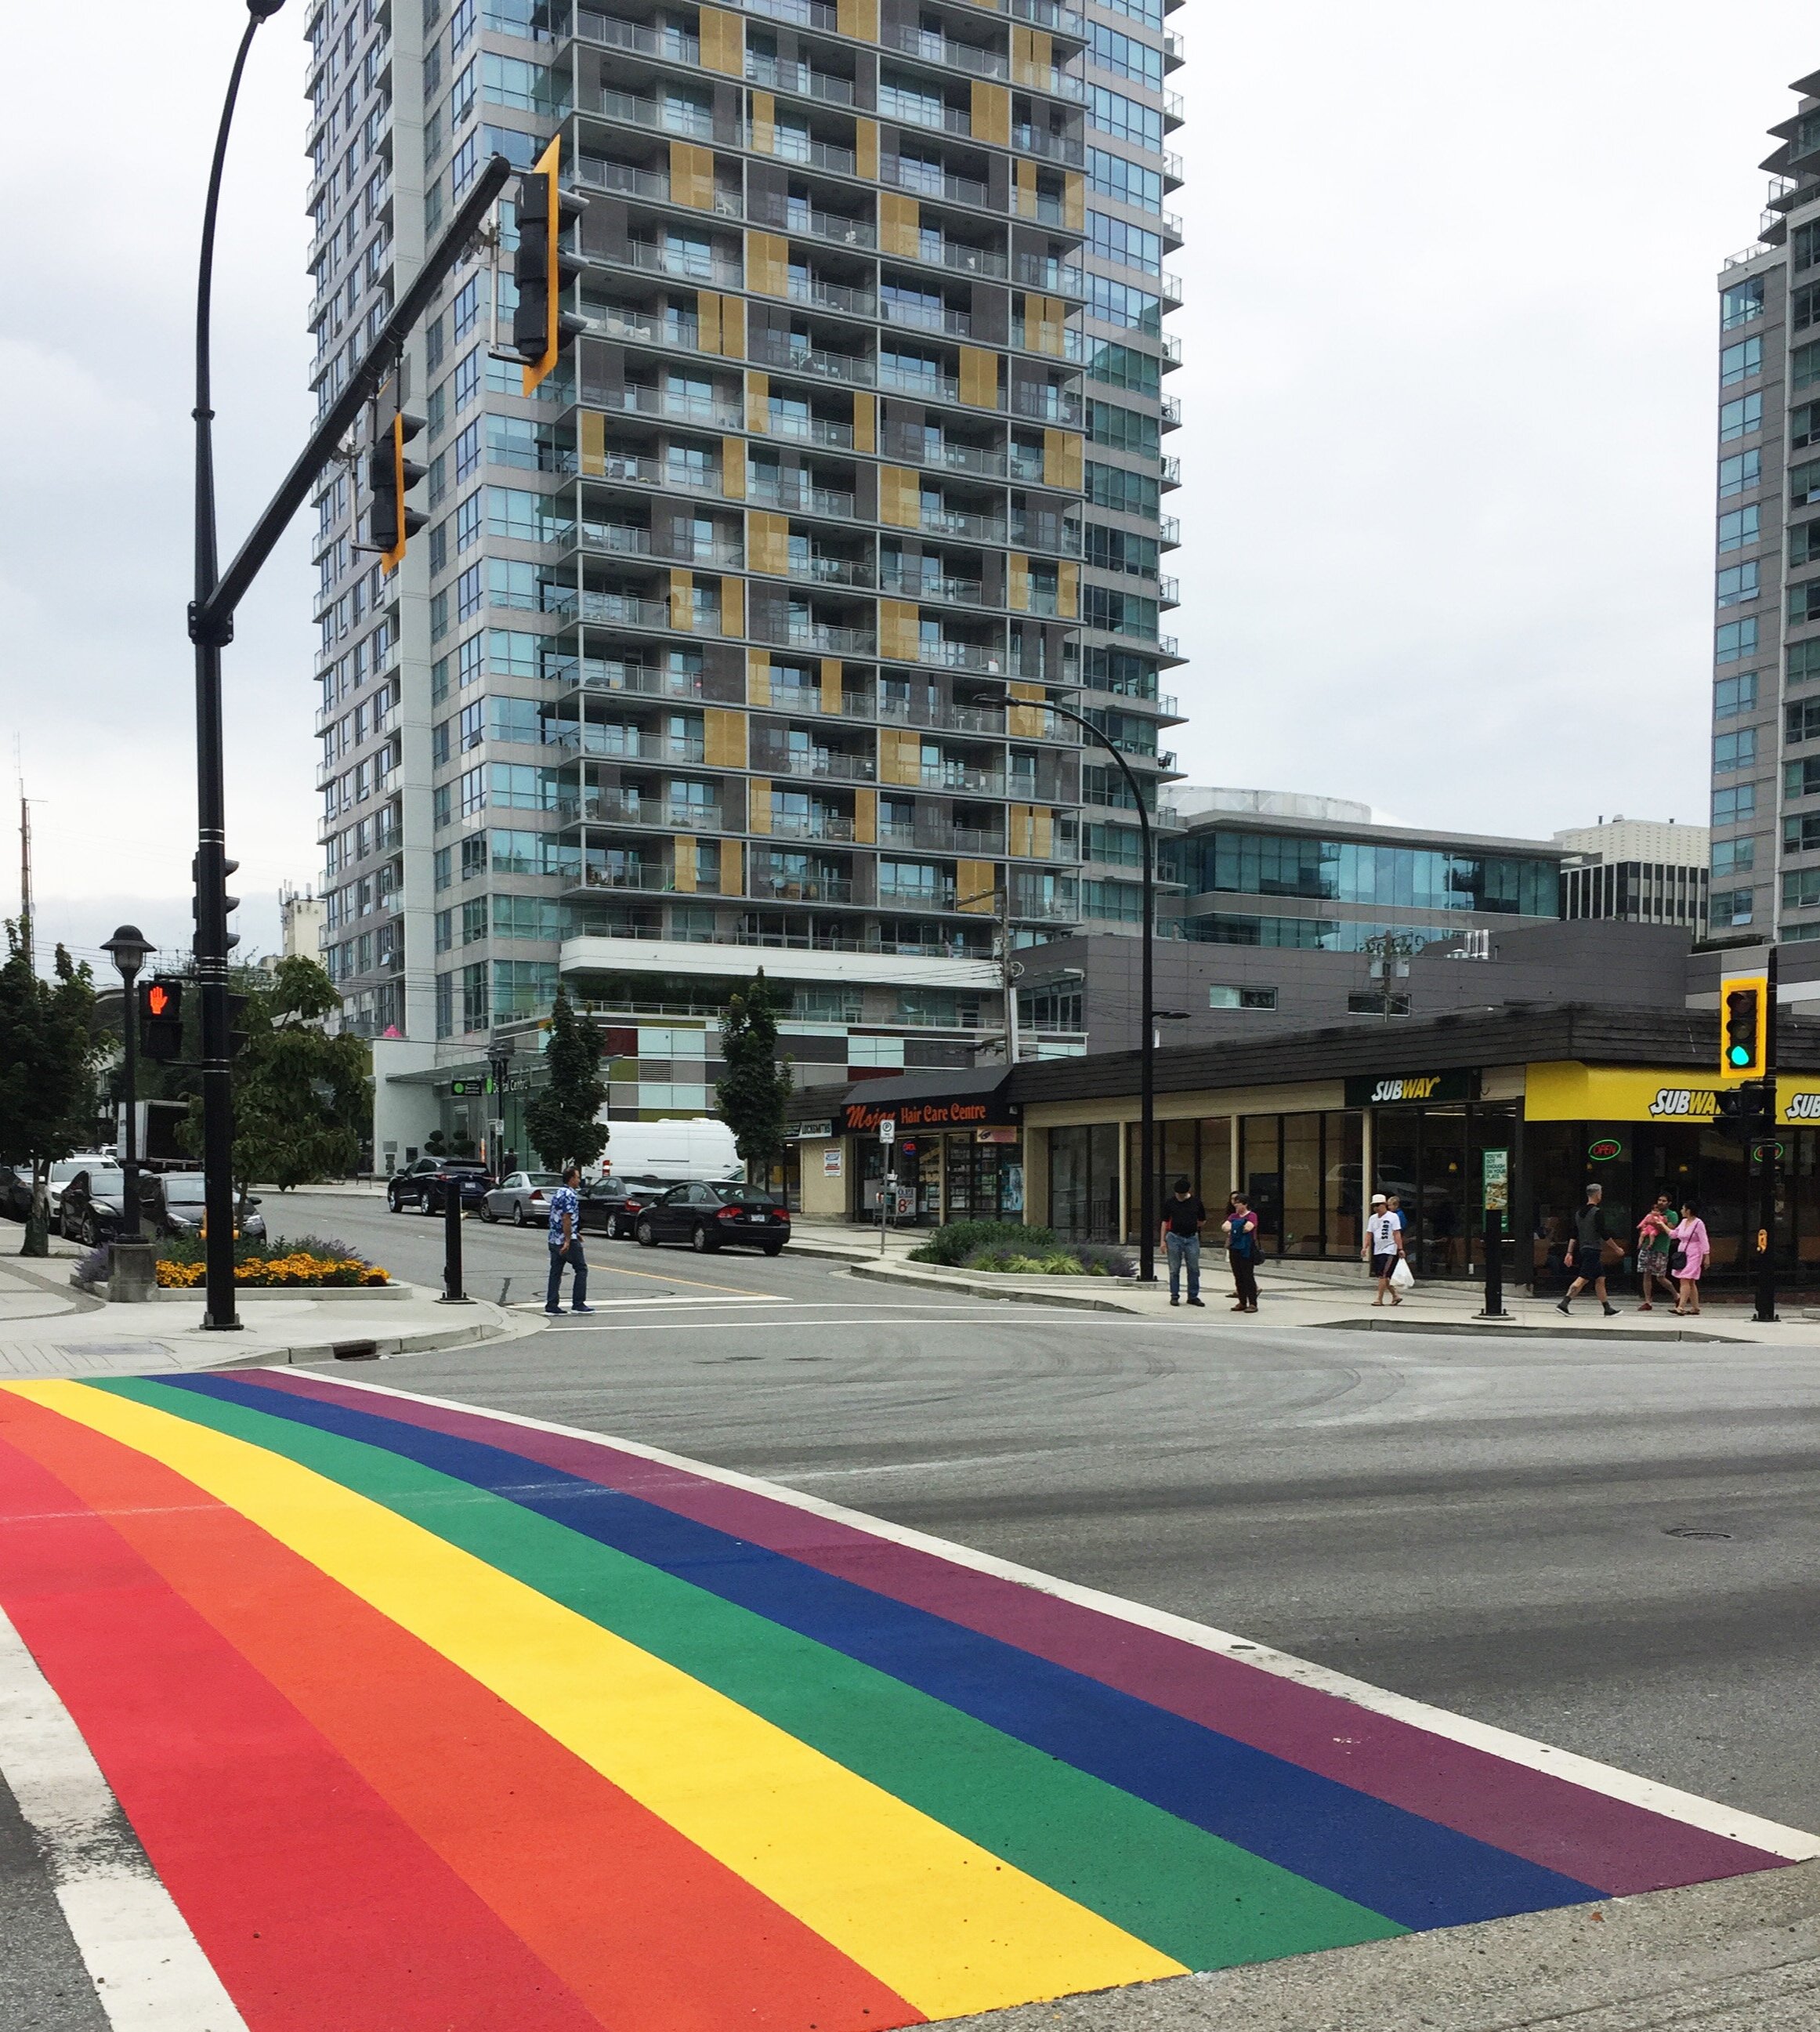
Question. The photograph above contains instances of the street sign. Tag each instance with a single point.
(888, 1129)
(464, 1088)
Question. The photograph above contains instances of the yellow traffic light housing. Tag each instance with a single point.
(390, 476)
(541, 328)
(1743, 1026)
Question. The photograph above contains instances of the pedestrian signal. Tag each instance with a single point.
(160, 1018)
(1743, 1026)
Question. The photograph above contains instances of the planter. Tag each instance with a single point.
(339, 1293)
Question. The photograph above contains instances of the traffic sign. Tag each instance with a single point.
(888, 1129)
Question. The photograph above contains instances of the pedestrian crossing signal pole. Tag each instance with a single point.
(1747, 1053)
(1770, 1153)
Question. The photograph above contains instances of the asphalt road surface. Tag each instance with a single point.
(1615, 1549)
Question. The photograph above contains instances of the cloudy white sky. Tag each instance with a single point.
(1446, 516)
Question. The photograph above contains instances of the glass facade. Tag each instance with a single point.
(1383, 877)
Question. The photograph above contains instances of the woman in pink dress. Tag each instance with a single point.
(1695, 1246)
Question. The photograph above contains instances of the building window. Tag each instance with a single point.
(1803, 662)
(1738, 363)
(1734, 751)
(1737, 584)
(1739, 419)
(1730, 907)
(1799, 779)
(1801, 889)
(1743, 469)
(444, 1005)
(468, 528)
(1130, 246)
(1741, 303)
(1735, 805)
(467, 452)
(1734, 639)
(1732, 858)
(1801, 721)
(1125, 57)
(1732, 696)
(474, 996)
(1804, 603)
(1804, 482)
(1241, 998)
(1739, 527)
(1370, 1001)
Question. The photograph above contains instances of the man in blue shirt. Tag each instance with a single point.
(566, 1244)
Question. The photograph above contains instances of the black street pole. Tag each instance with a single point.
(1765, 1311)
(1146, 1062)
(453, 1293)
(211, 926)
(127, 949)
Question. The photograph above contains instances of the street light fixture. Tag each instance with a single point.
(127, 949)
(1147, 1014)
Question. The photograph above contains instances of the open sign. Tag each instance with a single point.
(1603, 1148)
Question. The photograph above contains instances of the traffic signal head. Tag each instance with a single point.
(1743, 1027)
(160, 1018)
(390, 476)
(540, 326)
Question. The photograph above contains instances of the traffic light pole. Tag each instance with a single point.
(211, 614)
(1767, 1164)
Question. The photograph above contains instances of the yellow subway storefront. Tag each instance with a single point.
(1308, 1150)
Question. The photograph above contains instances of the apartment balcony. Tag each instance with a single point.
(804, 13)
(965, 260)
(918, 177)
(808, 153)
(1170, 470)
(933, 48)
(828, 641)
(1172, 409)
(615, 743)
(616, 678)
(803, 888)
(952, 719)
(928, 317)
(678, 333)
(1064, 278)
(963, 522)
(642, 470)
(908, 109)
(804, 499)
(1051, 147)
(1170, 532)
(682, 262)
(625, 610)
(935, 836)
(832, 571)
(1045, 910)
(671, 45)
(955, 457)
(773, 74)
(811, 825)
(809, 429)
(771, 350)
(950, 591)
(626, 539)
(947, 656)
(1049, 14)
(664, 116)
(802, 219)
(924, 387)
(700, 409)
(830, 764)
(1046, 405)
(1169, 590)
(638, 878)
(963, 776)
(833, 295)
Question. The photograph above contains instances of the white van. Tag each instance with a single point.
(672, 1153)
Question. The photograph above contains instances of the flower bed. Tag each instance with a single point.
(1013, 1249)
(311, 1262)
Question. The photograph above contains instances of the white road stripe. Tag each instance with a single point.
(1796, 1843)
(625, 1305)
(149, 1974)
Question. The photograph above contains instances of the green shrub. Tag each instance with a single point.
(1051, 1263)
(960, 1239)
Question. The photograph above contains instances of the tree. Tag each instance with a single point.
(563, 1123)
(757, 1082)
(302, 1100)
(48, 1054)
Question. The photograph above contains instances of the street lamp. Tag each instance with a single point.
(1146, 1064)
(127, 949)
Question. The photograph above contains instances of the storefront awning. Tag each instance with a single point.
(944, 1101)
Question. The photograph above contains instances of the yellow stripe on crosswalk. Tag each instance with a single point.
(943, 1922)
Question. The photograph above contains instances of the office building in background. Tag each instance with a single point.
(701, 662)
(1639, 871)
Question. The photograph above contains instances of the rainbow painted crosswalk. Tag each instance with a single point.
(430, 1718)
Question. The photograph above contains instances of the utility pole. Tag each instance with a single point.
(1011, 970)
(25, 873)
(1766, 1156)
(1390, 953)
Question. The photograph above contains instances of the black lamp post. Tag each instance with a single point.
(1146, 1063)
(127, 949)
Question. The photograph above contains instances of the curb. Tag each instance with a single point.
(890, 1274)
(1517, 1330)
(323, 1351)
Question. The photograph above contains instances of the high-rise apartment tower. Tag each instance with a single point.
(1765, 868)
(701, 662)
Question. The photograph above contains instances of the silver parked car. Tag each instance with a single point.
(521, 1197)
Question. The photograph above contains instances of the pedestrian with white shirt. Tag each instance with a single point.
(1383, 1247)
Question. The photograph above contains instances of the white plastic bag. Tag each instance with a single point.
(1402, 1277)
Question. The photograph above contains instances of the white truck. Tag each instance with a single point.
(673, 1153)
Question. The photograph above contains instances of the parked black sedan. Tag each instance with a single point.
(612, 1206)
(425, 1185)
(711, 1217)
(15, 1192)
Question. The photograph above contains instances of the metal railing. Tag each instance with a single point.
(953, 591)
(947, 656)
(935, 48)
(927, 317)
(811, 430)
(672, 44)
(909, 110)
(832, 571)
(929, 182)
(807, 500)
(667, 116)
(636, 400)
(684, 263)
(829, 226)
(825, 762)
(832, 296)
(777, 74)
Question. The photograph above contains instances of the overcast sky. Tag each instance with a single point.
(1450, 331)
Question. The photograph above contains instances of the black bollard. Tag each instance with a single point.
(453, 1293)
(1494, 1266)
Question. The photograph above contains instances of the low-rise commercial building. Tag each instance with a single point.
(1639, 871)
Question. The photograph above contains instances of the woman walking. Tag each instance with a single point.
(1241, 1227)
(1692, 1247)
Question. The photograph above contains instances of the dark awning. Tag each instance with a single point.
(927, 1101)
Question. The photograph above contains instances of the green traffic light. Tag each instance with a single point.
(1740, 1055)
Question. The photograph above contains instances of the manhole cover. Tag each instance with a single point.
(1692, 1531)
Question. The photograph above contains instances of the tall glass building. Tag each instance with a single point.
(703, 661)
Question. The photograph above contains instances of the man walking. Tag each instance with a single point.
(1184, 1216)
(1585, 1253)
(566, 1244)
(1383, 1247)
(1655, 1246)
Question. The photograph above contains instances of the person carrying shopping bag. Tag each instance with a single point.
(1692, 1246)
(1383, 1247)
(1241, 1252)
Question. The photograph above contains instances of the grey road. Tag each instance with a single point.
(1615, 1548)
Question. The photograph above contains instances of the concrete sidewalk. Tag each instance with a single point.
(48, 1327)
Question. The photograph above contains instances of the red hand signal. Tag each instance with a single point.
(157, 999)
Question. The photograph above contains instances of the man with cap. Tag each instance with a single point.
(1383, 1245)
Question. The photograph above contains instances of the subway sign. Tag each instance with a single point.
(1410, 1090)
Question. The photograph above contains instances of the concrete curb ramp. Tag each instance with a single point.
(1742, 1954)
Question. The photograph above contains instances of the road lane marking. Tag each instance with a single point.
(150, 1975)
(1730, 1823)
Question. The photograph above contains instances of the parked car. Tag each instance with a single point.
(521, 1197)
(66, 1168)
(611, 1206)
(718, 1216)
(15, 1192)
(425, 1185)
(88, 1208)
(171, 1202)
